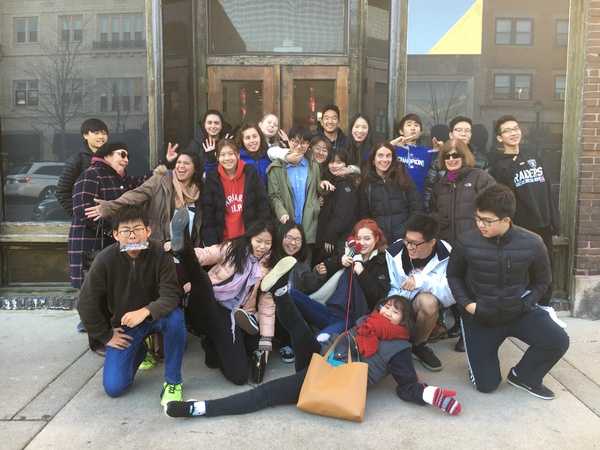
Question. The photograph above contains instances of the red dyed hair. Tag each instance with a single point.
(380, 241)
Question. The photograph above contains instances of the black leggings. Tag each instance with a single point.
(281, 391)
(286, 390)
(206, 315)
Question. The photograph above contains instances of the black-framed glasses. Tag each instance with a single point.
(126, 232)
(413, 244)
(453, 155)
(123, 154)
(485, 221)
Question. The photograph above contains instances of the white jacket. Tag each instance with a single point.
(431, 279)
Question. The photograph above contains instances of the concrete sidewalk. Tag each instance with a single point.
(52, 398)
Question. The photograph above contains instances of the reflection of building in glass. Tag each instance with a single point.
(60, 65)
(280, 26)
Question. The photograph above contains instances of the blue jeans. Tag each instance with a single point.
(325, 319)
(120, 366)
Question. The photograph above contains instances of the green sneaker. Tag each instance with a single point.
(171, 393)
(148, 363)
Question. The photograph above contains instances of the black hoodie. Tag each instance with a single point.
(527, 177)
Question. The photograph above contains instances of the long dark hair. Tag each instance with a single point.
(343, 155)
(224, 125)
(358, 151)
(241, 247)
(198, 167)
(262, 149)
(397, 173)
(282, 230)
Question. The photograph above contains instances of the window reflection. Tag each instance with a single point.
(277, 26)
(64, 64)
(486, 58)
(309, 97)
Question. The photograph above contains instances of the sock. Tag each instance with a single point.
(323, 337)
(198, 408)
(442, 398)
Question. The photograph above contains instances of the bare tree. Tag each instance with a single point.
(62, 87)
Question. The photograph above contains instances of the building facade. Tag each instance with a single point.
(150, 68)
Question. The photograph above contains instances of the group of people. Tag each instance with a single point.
(255, 237)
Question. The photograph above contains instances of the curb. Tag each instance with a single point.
(38, 302)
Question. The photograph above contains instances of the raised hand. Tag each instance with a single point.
(209, 144)
(283, 137)
(172, 152)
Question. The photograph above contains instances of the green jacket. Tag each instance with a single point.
(281, 197)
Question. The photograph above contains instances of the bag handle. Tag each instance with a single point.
(334, 344)
(100, 230)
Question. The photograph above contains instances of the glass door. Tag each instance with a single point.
(296, 94)
(242, 94)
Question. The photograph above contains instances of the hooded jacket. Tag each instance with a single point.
(528, 179)
(505, 276)
(281, 196)
(233, 190)
(431, 279)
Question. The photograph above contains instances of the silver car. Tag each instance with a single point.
(34, 180)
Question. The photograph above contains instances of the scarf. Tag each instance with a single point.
(377, 328)
(452, 175)
(184, 195)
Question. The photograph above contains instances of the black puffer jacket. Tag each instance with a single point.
(374, 280)
(338, 213)
(505, 276)
(74, 166)
(453, 203)
(255, 204)
(388, 205)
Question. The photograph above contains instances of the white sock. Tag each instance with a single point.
(199, 408)
(323, 337)
(428, 394)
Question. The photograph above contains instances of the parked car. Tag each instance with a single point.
(34, 180)
(49, 209)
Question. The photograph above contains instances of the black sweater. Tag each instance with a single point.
(117, 284)
(528, 179)
(505, 276)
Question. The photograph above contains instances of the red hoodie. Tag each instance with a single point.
(234, 201)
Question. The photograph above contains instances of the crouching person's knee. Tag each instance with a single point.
(115, 387)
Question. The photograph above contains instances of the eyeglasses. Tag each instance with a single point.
(462, 130)
(485, 221)
(123, 154)
(510, 130)
(452, 156)
(322, 148)
(413, 244)
(126, 232)
(296, 240)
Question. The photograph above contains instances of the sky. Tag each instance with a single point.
(428, 21)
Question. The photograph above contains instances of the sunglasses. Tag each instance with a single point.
(123, 154)
(452, 156)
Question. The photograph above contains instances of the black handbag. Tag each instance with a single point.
(88, 256)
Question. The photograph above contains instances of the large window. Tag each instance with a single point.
(51, 90)
(275, 26)
(26, 29)
(71, 28)
(511, 31)
(487, 58)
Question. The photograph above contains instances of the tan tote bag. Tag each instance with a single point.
(339, 391)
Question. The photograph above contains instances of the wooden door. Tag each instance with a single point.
(242, 93)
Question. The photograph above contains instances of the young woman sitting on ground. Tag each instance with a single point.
(382, 340)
